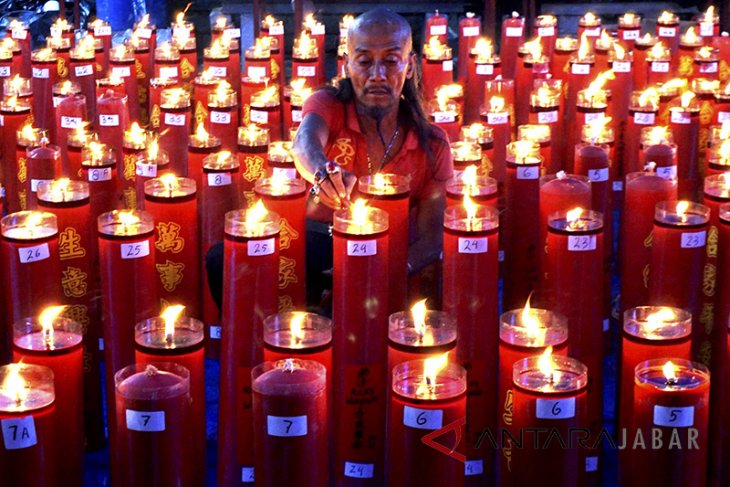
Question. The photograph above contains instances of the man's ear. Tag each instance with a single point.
(346, 64)
(410, 69)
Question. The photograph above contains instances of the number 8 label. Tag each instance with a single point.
(555, 408)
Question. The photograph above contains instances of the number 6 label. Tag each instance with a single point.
(135, 250)
(34, 254)
(674, 417)
(147, 421)
(286, 425)
(424, 419)
(261, 247)
(555, 408)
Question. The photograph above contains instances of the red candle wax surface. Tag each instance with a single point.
(360, 314)
(422, 401)
(556, 401)
(153, 416)
(390, 193)
(298, 335)
(27, 416)
(250, 271)
(667, 407)
(291, 436)
(414, 338)
(181, 342)
(56, 344)
(513, 31)
(470, 295)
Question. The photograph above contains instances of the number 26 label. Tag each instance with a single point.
(34, 254)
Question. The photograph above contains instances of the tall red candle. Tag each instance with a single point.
(426, 396)
(157, 86)
(565, 49)
(291, 436)
(70, 115)
(98, 167)
(305, 60)
(688, 43)
(134, 145)
(100, 29)
(629, 29)
(658, 64)
(546, 108)
(709, 25)
(274, 28)
(222, 121)
(20, 32)
(470, 296)
(496, 115)
(470, 28)
(266, 111)
(667, 29)
(144, 29)
(642, 46)
(15, 114)
(122, 65)
(539, 136)
(250, 267)
(317, 32)
(167, 61)
(484, 64)
(298, 94)
(513, 32)
(437, 66)
(479, 133)
(201, 144)
(82, 71)
(113, 119)
(175, 125)
(721, 436)
(258, 59)
(253, 147)
(44, 164)
(643, 111)
(546, 29)
(45, 75)
(532, 64)
(482, 189)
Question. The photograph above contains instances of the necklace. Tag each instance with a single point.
(385, 154)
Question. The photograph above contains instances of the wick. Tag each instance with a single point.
(151, 370)
(168, 340)
(561, 175)
(672, 381)
(650, 167)
(289, 365)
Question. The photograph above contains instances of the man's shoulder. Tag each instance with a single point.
(323, 98)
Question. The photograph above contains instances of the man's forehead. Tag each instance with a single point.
(378, 39)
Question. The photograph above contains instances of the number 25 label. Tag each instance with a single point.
(135, 250)
(261, 247)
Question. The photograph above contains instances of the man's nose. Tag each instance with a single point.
(378, 70)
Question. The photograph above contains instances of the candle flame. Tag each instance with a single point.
(674, 83)
(256, 213)
(629, 18)
(496, 104)
(604, 40)
(573, 217)
(724, 150)
(670, 372)
(534, 134)
(470, 207)
(96, 149)
(545, 364)
(305, 46)
(649, 98)
(309, 21)
(619, 52)
(46, 319)
(45, 54)
(65, 88)
(705, 52)
(484, 49)
(279, 183)
(218, 48)
(687, 98)
(446, 93)
(170, 315)
(646, 39)
(657, 135)
(296, 327)
(431, 367)
(659, 318)
(222, 91)
(690, 36)
(709, 15)
(127, 218)
(379, 182)
(14, 386)
(136, 133)
(469, 176)
(269, 21)
(200, 133)
(418, 313)
(359, 211)
(180, 18)
(435, 49)
(28, 133)
(533, 48)
(666, 17)
(153, 149)
(681, 209)
(658, 51)
(57, 189)
(596, 86)
(170, 182)
(584, 49)
(266, 96)
(589, 18)
(596, 128)
(725, 130)
(347, 21)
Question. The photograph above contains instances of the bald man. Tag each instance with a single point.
(374, 121)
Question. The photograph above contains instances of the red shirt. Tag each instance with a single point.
(347, 147)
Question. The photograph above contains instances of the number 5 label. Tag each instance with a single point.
(674, 417)
(147, 421)
(286, 425)
(424, 419)
(555, 408)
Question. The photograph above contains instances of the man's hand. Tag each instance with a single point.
(335, 189)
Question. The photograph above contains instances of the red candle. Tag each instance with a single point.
(709, 25)
(469, 31)
(112, 84)
(484, 64)
(15, 114)
(629, 29)
(266, 111)
(437, 25)
(420, 333)
(470, 295)
(574, 283)
(621, 63)
(688, 43)
(144, 29)
(437, 66)
(172, 338)
(100, 29)
(98, 167)
(684, 123)
(20, 32)
(496, 115)
(54, 342)
(706, 63)
(565, 49)
(483, 135)
(203, 85)
(546, 109)
(446, 109)
(280, 162)
(538, 136)
(249, 86)
(222, 121)
(113, 120)
(426, 396)
(589, 26)
(298, 335)
(61, 47)
(70, 115)
(521, 240)
(153, 414)
(481, 189)
(550, 393)
(258, 59)
(274, 28)
(250, 269)
(157, 86)
(82, 71)
(45, 75)
(216, 60)
(581, 73)
(360, 313)
(642, 46)
(167, 61)
(670, 395)
(134, 145)
(44, 164)
(643, 111)
(219, 193)
(658, 64)
(188, 56)
(522, 333)
(592, 159)
(26, 137)
(291, 436)
(293, 103)
(288, 198)
(667, 29)
(122, 65)
(721, 113)
(201, 144)
(721, 439)
(643, 191)
(316, 30)
(305, 60)
(513, 32)
(30, 261)
(546, 29)
(253, 147)
(649, 333)
(590, 107)
(27, 412)
(175, 125)
(532, 64)
(144, 73)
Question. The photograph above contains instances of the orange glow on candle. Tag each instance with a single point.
(686, 99)
(305, 47)
(14, 386)
(46, 319)
(432, 366)
(418, 313)
(545, 364)
(531, 326)
(496, 104)
(483, 50)
(533, 49)
(667, 17)
(709, 15)
(690, 36)
(170, 315)
(435, 50)
(584, 49)
(670, 372)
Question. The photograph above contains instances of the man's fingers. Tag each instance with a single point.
(329, 195)
(338, 184)
(350, 182)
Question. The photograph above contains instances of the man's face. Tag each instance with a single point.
(378, 63)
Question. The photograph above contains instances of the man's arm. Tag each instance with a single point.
(429, 221)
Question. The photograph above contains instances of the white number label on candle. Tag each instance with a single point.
(621, 67)
(473, 467)
(513, 32)
(143, 32)
(659, 67)
(4, 71)
(528, 172)
(547, 117)
(318, 30)
(121, 71)
(498, 118)
(168, 72)
(258, 248)
(101, 344)
(219, 179)
(145, 169)
(444, 117)
(40, 73)
(546, 31)
(447, 66)
(219, 71)
(593, 32)
(296, 115)
(644, 118)
(35, 182)
(667, 31)
(598, 175)
(708, 67)
(485, 69)
(438, 30)
(222, 118)
(56, 100)
(707, 29)
(306, 71)
(683, 118)
(70, 122)
(606, 324)
(108, 120)
(276, 30)
(581, 243)
(19, 433)
(256, 71)
(473, 245)
(723, 117)
(176, 119)
(259, 116)
(247, 475)
(19, 34)
(135, 250)
(674, 417)
(56, 32)
(146, 421)
(668, 172)
(618, 185)
(85, 70)
(555, 408)
(630, 34)
(594, 116)
(286, 425)
(29, 255)
(233, 33)
(181, 32)
(104, 30)
(470, 31)
(359, 470)
(2, 121)
(692, 240)
(424, 419)
(578, 68)
(362, 248)
(215, 332)
(284, 172)
(100, 174)
(500, 256)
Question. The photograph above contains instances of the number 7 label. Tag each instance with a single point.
(146, 421)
